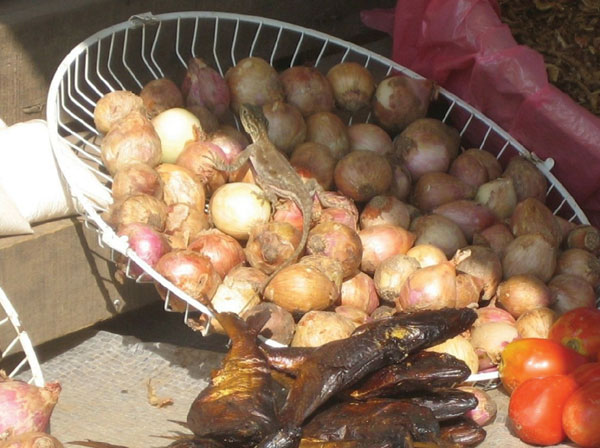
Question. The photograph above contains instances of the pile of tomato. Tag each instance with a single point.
(554, 383)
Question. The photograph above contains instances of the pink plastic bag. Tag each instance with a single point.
(464, 46)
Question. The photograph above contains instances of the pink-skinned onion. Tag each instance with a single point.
(440, 232)
(430, 288)
(359, 292)
(529, 254)
(223, 251)
(570, 292)
(148, 243)
(204, 86)
(382, 241)
(434, 189)
(469, 215)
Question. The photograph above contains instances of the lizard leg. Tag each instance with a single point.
(236, 164)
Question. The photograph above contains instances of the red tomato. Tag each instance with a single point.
(536, 409)
(581, 415)
(586, 373)
(535, 357)
(578, 329)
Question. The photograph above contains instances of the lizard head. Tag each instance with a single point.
(254, 121)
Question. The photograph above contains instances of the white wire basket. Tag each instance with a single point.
(129, 54)
(28, 366)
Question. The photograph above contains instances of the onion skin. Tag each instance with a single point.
(357, 316)
(361, 175)
(338, 241)
(329, 130)
(352, 85)
(521, 293)
(279, 327)
(114, 106)
(460, 348)
(330, 267)
(499, 196)
(491, 163)
(530, 254)
(391, 274)
(131, 139)
(253, 81)
(139, 208)
(383, 209)
(159, 95)
(536, 323)
(31, 440)
(208, 121)
(532, 216)
(287, 128)
(440, 232)
(491, 313)
(469, 215)
(149, 244)
(497, 237)
(430, 288)
(469, 169)
(381, 242)
(359, 292)
(434, 189)
(401, 186)
(136, 178)
(191, 272)
(486, 409)
(180, 186)
(231, 141)
(399, 100)
(427, 254)
(184, 224)
(316, 328)
(483, 264)
(489, 340)
(427, 145)
(529, 182)
(468, 290)
(570, 292)
(271, 244)
(196, 158)
(307, 89)
(223, 251)
(25, 407)
(175, 127)
(204, 86)
(584, 237)
(370, 137)
(314, 160)
(581, 263)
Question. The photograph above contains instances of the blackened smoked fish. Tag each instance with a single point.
(237, 407)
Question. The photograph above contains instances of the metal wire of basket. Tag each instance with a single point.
(11, 319)
(129, 54)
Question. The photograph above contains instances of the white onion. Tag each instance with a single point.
(175, 127)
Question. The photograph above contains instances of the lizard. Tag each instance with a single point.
(273, 173)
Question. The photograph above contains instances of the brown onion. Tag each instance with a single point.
(384, 209)
(313, 160)
(180, 186)
(130, 139)
(488, 160)
(136, 178)
(581, 263)
(339, 215)
(330, 267)
(204, 86)
(114, 106)
(223, 251)
(529, 254)
(391, 274)
(438, 231)
(337, 200)
(287, 128)
(184, 224)
(430, 288)
(352, 85)
(359, 292)
(536, 323)
(357, 316)
(496, 237)
(401, 186)
(279, 327)
(437, 188)
(427, 145)
(427, 254)
(468, 291)
(197, 158)
(381, 242)
(271, 244)
(399, 100)
(361, 175)
(532, 216)
(208, 121)
(253, 81)
(469, 215)
(570, 292)
(307, 89)
(489, 340)
(316, 328)
(529, 182)
(499, 196)
(231, 141)
(521, 293)
(483, 264)
(189, 271)
(469, 168)
(383, 312)
(146, 242)
(139, 208)
(329, 130)
(339, 242)
(565, 227)
(159, 95)
(288, 211)
(370, 137)
(584, 237)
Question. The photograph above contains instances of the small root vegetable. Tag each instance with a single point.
(316, 328)
(114, 106)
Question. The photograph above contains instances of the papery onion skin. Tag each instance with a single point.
(113, 106)
(536, 323)
(427, 254)
(314, 160)
(184, 224)
(533, 216)
(271, 244)
(253, 81)
(427, 145)
(496, 237)
(352, 85)
(223, 251)
(399, 100)
(530, 254)
(149, 244)
(580, 262)
(31, 440)
(338, 241)
(361, 175)
(440, 232)
(469, 215)
(468, 291)
(491, 313)
(26, 407)
(279, 327)
(385, 209)
(359, 292)
(383, 312)
(491, 163)
(329, 130)
(175, 127)
(307, 89)
(486, 409)
(380, 242)
(180, 186)
(401, 186)
(316, 328)
(138, 208)
(208, 121)
(529, 182)
(337, 201)
(370, 137)
(196, 158)
(339, 215)
(469, 169)
(570, 292)
(430, 288)
(584, 237)
(191, 272)
(499, 196)
(287, 127)
(391, 274)
(136, 178)
(204, 86)
(288, 211)
(483, 264)
(460, 348)
(489, 340)
(232, 296)
(131, 139)
(434, 189)
(521, 293)
(231, 141)
(357, 316)
(159, 95)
